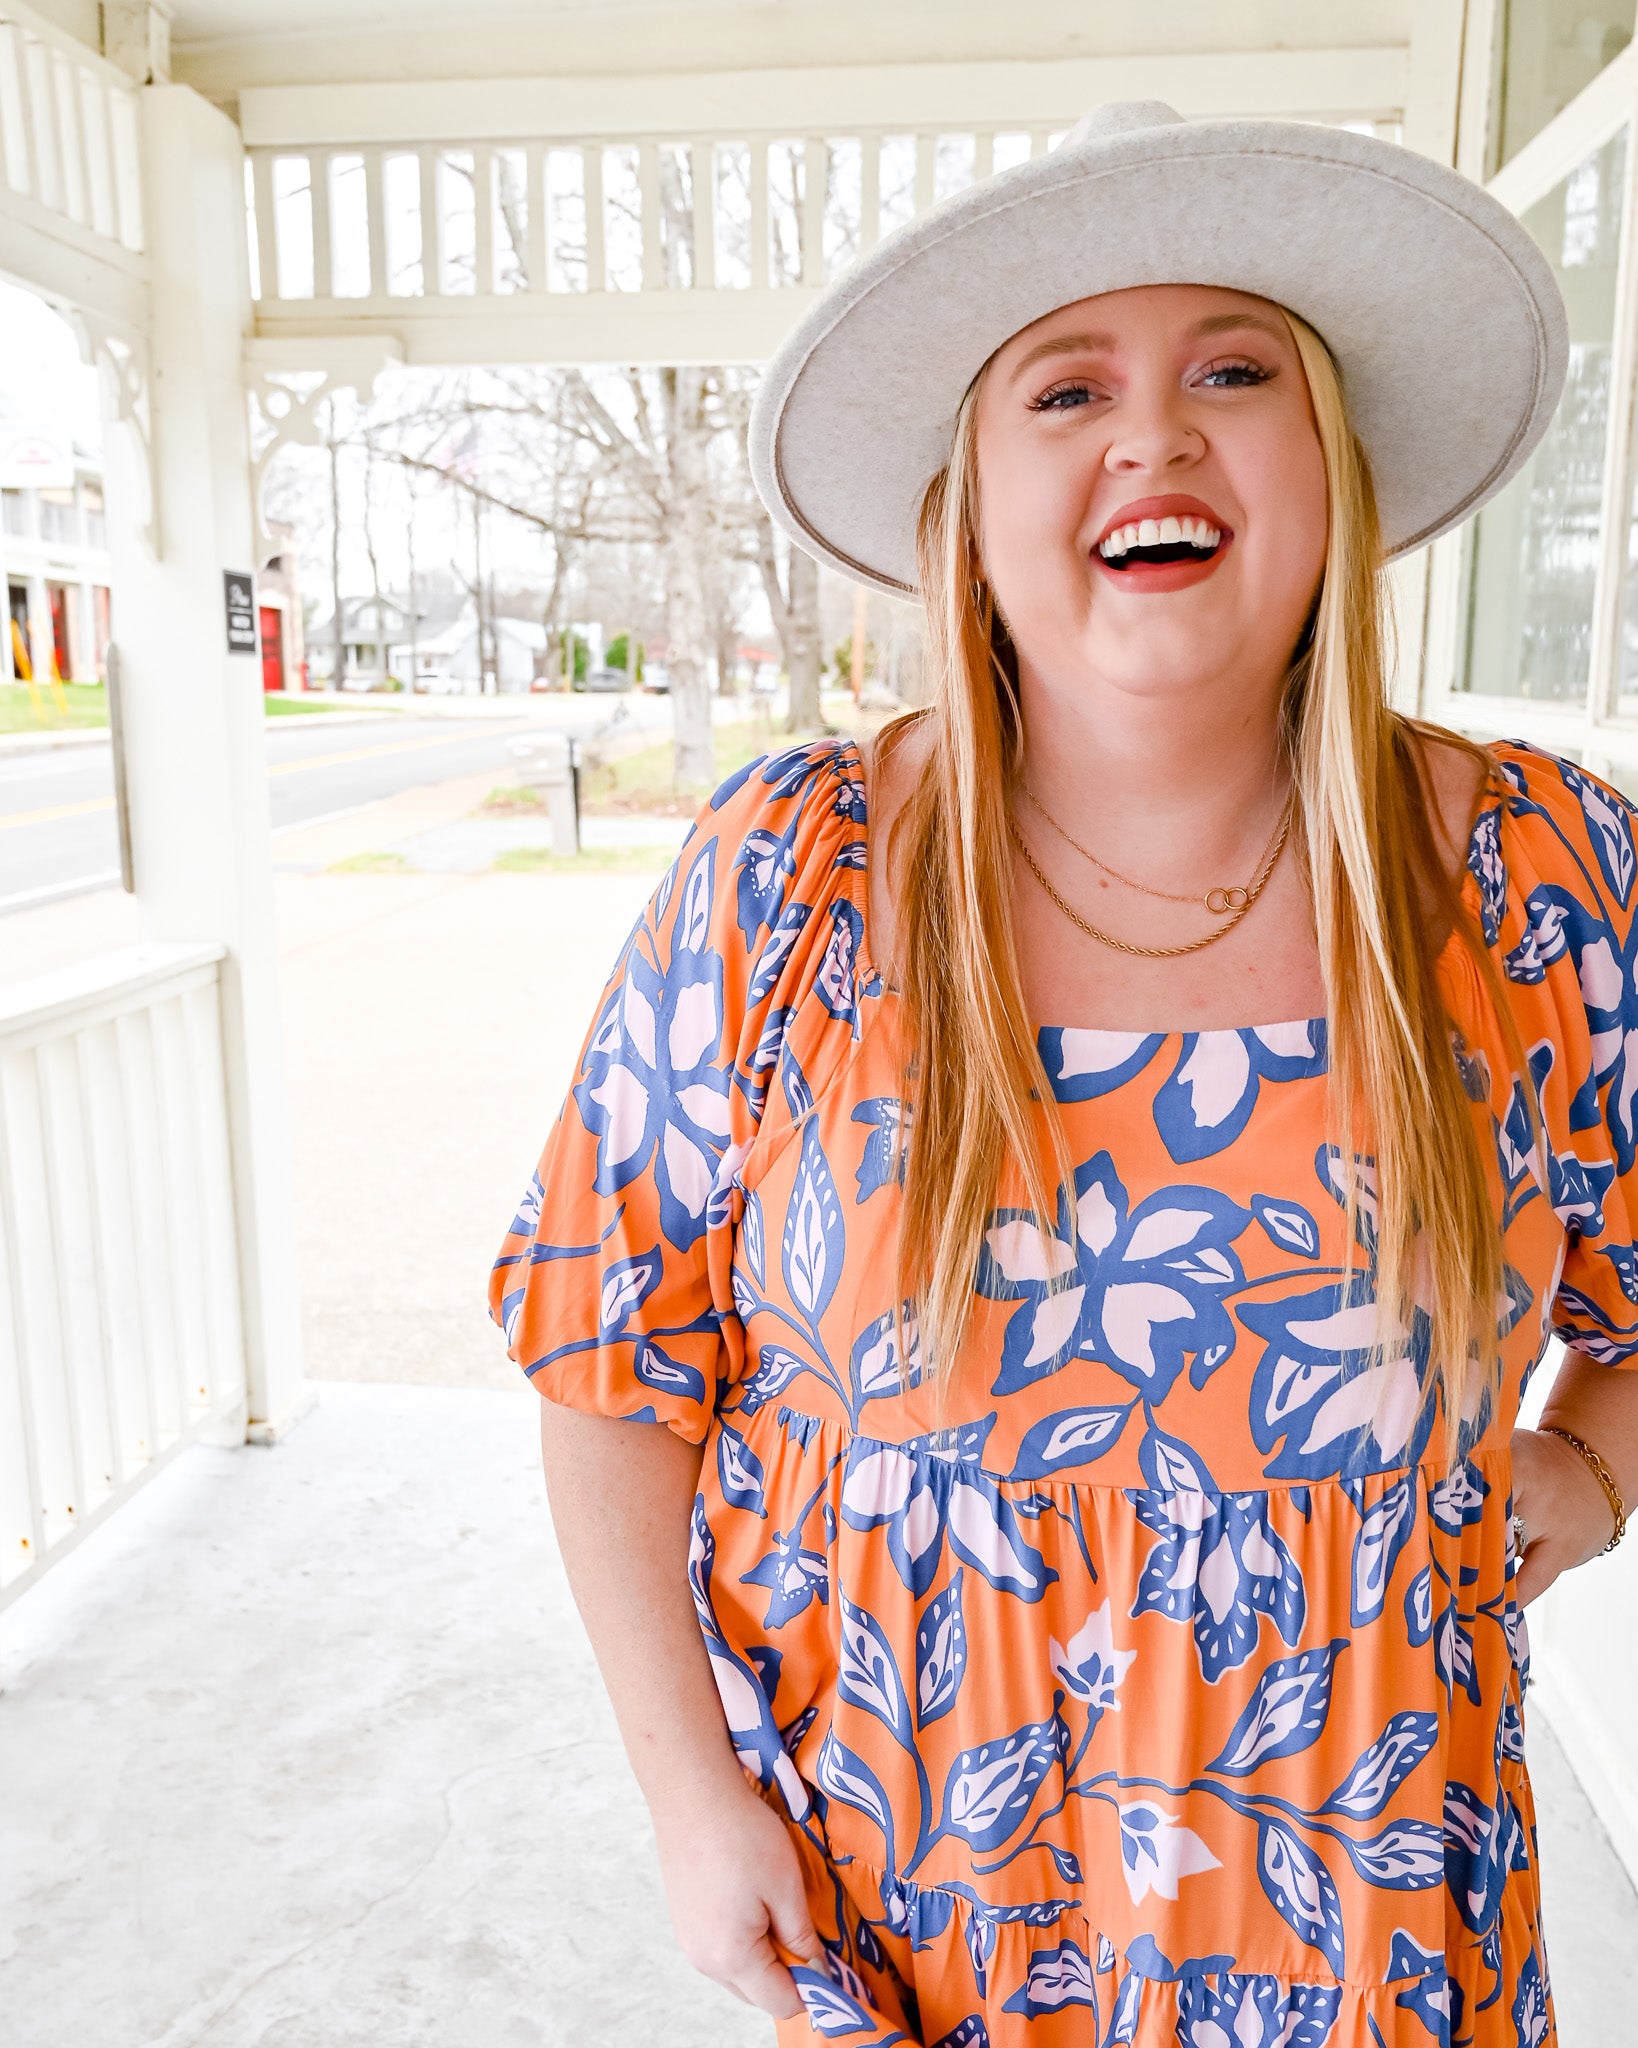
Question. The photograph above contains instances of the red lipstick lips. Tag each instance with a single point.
(1147, 558)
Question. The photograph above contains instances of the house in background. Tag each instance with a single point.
(438, 647)
(53, 557)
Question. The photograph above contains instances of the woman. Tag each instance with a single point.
(1105, 1615)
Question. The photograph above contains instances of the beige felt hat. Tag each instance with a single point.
(1440, 310)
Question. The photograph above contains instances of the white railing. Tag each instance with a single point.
(491, 220)
(484, 222)
(120, 1333)
(68, 132)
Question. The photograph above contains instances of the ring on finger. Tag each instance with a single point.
(1521, 1536)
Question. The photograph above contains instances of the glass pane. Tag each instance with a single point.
(1550, 50)
(1009, 149)
(1535, 547)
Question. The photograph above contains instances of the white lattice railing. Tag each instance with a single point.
(490, 220)
(120, 1334)
(662, 217)
(68, 132)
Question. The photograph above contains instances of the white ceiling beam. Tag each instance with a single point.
(898, 98)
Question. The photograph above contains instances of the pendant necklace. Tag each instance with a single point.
(1231, 904)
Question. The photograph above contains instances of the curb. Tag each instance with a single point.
(47, 742)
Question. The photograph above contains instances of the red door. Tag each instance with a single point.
(59, 631)
(272, 647)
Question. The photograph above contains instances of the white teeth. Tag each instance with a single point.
(1152, 533)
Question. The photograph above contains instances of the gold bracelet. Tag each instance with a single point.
(1601, 1472)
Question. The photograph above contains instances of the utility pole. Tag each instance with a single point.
(414, 619)
(338, 635)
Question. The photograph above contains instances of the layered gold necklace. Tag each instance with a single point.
(1229, 902)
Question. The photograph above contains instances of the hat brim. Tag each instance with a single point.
(1443, 315)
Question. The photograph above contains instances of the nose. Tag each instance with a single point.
(1151, 435)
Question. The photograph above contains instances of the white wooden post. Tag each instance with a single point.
(193, 716)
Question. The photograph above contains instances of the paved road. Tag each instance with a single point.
(57, 831)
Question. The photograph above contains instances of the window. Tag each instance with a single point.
(1550, 49)
(1536, 545)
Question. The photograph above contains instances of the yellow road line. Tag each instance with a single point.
(79, 810)
(106, 803)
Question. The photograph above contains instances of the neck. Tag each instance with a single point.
(1191, 793)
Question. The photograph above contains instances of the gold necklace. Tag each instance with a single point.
(1218, 901)
(1155, 952)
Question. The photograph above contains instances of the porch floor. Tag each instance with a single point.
(306, 1749)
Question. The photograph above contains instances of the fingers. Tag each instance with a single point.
(789, 1921)
(765, 1982)
(1539, 1567)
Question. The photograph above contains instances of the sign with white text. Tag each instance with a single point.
(240, 589)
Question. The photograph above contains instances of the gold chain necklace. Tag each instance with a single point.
(1158, 952)
(1218, 901)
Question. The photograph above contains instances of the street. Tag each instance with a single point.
(57, 827)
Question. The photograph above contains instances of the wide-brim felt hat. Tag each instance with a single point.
(1441, 312)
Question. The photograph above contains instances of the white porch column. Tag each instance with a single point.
(193, 714)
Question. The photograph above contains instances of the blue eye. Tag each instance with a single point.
(1061, 398)
(1244, 374)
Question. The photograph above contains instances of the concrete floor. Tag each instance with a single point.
(306, 1749)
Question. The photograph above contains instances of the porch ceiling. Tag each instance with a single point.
(220, 46)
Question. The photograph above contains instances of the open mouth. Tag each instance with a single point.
(1156, 542)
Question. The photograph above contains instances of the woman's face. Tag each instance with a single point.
(1152, 491)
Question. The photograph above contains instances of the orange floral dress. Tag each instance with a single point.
(1173, 1695)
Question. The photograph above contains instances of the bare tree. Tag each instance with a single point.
(794, 604)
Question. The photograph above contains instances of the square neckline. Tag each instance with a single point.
(869, 972)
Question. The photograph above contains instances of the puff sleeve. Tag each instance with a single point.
(614, 1285)
(1562, 898)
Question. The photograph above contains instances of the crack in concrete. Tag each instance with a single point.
(230, 1998)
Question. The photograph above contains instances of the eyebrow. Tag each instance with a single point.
(1090, 344)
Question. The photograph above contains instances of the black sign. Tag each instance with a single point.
(240, 591)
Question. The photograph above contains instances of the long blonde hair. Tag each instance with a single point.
(978, 1101)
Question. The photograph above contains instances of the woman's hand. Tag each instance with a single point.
(1566, 1513)
(734, 1885)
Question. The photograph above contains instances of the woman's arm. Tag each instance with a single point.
(622, 1496)
(1566, 1513)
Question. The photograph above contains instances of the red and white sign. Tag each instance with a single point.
(35, 458)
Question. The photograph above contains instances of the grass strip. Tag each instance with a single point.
(592, 860)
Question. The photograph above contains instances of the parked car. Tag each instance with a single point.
(603, 679)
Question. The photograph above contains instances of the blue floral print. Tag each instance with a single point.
(1166, 1686)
